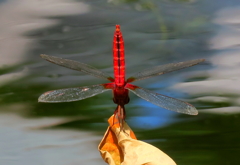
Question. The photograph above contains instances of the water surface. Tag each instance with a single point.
(155, 33)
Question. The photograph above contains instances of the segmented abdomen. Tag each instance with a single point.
(118, 57)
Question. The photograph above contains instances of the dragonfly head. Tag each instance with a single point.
(121, 101)
(120, 96)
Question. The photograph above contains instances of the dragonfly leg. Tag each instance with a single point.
(119, 115)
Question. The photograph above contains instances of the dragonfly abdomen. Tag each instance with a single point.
(118, 57)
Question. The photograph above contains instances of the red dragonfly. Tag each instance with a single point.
(118, 84)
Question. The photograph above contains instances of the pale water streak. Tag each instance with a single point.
(21, 16)
(25, 141)
(222, 84)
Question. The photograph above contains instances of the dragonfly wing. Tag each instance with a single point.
(72, 94)
(162, 69)
(163, 101)
(77, 66)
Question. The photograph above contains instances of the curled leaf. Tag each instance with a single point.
(120, 146)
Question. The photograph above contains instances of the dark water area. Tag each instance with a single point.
(155, 33)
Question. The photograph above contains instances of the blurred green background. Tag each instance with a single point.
(155, 33)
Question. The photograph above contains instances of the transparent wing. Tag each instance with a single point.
(162, 69)
(72, 94)
(163, 101)
(77, 66)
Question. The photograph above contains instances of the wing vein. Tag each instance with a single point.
(77, 66)
(162, 69)
(72, 94)
(163, 101)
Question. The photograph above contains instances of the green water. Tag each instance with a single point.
(155, 32)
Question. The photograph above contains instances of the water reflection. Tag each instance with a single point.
(220, 88)
(53, 29)
(24, 141)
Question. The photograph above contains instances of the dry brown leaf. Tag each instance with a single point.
(119, 146)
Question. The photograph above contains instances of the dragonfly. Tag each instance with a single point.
(118, 84)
